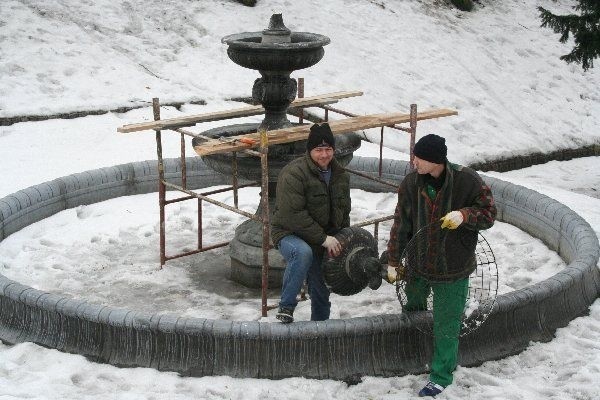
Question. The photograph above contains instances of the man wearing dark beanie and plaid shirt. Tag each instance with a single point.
(312, 204)
(456, 197)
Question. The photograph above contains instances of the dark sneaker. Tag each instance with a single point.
(285, 315)
(431, 390)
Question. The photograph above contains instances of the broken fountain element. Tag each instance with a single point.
(275, 52)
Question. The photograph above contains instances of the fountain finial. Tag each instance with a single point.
(277, 32)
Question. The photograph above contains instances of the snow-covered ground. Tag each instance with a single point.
(496, 66)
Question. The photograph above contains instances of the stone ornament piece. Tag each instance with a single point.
(345, 274)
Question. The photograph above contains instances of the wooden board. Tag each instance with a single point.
(190, 120)
(301, 132)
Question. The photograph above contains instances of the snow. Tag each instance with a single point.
(495, 66)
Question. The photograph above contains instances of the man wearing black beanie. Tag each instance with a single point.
(439, 192)
(312, 204)
(320, 136)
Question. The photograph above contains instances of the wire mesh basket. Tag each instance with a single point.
(419, 260)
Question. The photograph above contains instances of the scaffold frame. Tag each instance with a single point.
(178, 125)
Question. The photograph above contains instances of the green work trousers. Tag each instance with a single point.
(449, 300)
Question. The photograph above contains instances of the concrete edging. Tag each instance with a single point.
(385, 345)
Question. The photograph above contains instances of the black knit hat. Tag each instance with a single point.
(431, 148)
(320, 135)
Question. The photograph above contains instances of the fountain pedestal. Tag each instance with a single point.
(245, 251)
(275, 52)
(277, 91)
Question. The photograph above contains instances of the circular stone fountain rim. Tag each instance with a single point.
(251, 41)
(333, 349)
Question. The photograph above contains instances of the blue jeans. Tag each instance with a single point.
(303, 264)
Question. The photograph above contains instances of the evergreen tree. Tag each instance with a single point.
(585, 29)
(463, 5)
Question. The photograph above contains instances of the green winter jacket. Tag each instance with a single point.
(445, 254)
(306, 207)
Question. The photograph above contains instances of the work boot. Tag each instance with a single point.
(431, 390)
(285, 315)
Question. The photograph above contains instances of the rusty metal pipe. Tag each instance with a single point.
(234, 178)
(161, 185)
(380, 152)
(190, 133)
(188, 253)
(367, 176)
(300, 96)
(373, 221)
(183, 165)
(228, 188)
(179, 199)
(413, 131)
(212, 201)
(199, 223)
(264, 198)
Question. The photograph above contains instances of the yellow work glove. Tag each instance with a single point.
(394, 273)
(452, 220)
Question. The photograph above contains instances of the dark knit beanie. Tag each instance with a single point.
(431, 148)
(320, 135)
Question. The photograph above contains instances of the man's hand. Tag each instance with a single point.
(452, 220)
(394, 273)
(334, 248)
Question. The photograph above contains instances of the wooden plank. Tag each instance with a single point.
(190, 120)
(301, 132)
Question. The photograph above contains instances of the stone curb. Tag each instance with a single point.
(528, 160)
(15, 119)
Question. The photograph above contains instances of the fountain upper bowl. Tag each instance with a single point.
(304, 50)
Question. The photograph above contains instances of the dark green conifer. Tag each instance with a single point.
(463, 5)
(585, 29)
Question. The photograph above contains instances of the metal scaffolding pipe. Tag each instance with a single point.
(161, 185)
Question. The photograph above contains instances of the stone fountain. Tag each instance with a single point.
(275, 53)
